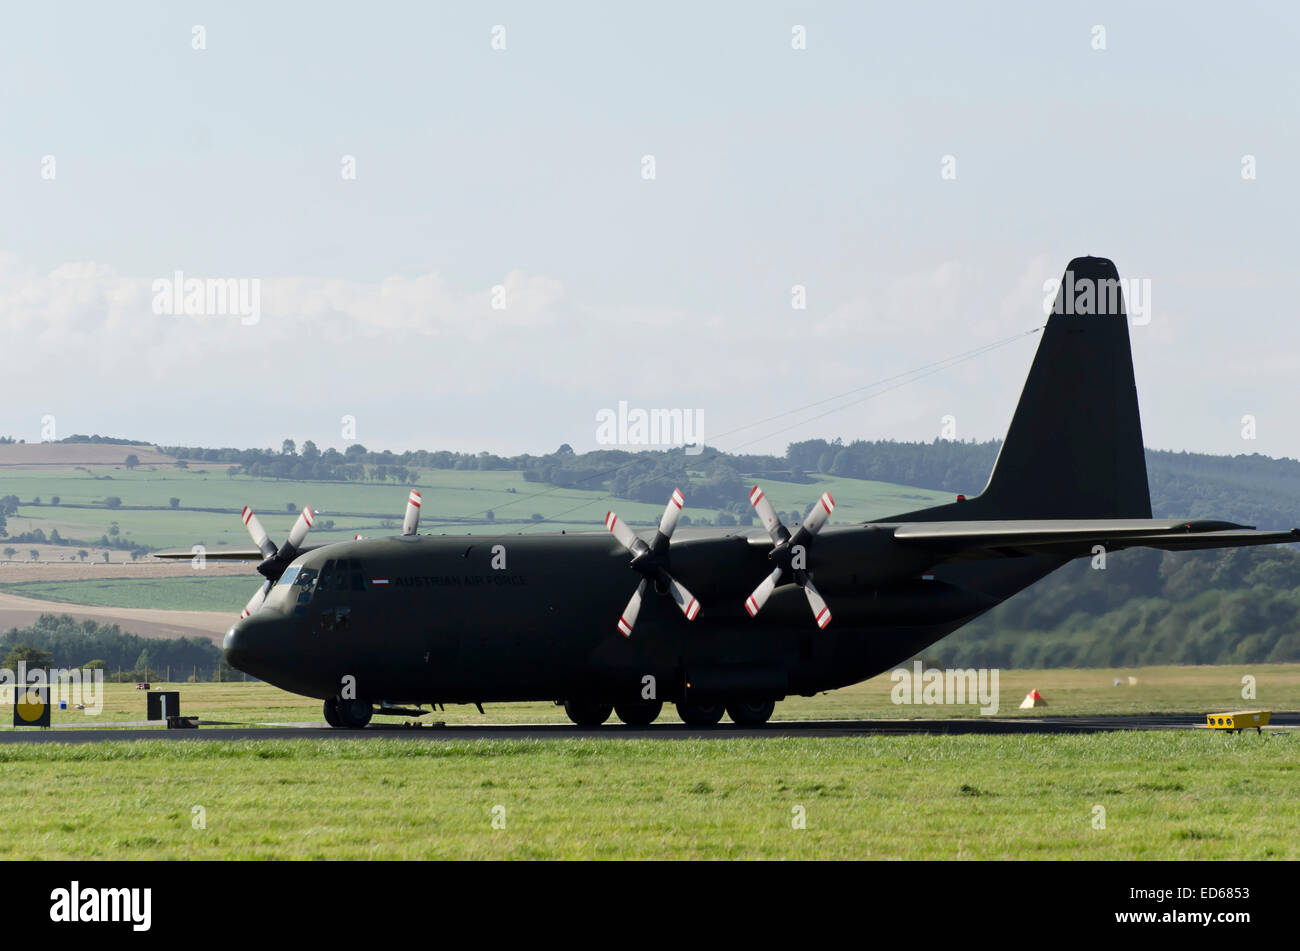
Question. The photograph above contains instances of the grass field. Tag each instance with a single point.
(1068, 693)
(1196, 795)
(1164, 795)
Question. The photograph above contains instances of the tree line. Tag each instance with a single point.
(60, 640)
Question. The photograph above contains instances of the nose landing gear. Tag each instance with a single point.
(347, 714)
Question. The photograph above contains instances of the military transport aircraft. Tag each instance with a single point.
(387, 625)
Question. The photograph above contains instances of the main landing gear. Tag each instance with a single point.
(694, 713)
(347, 714)
(586, 713)
(700, 713)
(743, 713)
(639, 714)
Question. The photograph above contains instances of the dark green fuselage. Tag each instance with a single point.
(449, 627)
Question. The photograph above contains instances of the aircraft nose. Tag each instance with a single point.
(250, 644)
(236, 645)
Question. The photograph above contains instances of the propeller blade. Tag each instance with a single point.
(683, 598)
(767, 515)
(626, 537)
(256, 601)
(628, 620)
(357, 538)
(819, 609)
(412, 520)
(260, 538)
(819, 513)
(674, 508)
(300, 527)
(755, 602)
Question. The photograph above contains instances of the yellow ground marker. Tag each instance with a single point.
(1239, 720)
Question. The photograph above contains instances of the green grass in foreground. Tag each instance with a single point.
(1165, 795)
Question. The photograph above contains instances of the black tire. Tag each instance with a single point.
(697, 713)
(584, 713)
(639, 714)
(744, 713)
(354, 714)
(332, 713)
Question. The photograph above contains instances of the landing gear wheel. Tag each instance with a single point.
(743, 713)
(639, 714)
(332, 713)
(587, 714)
(354, 714)
(696, 713)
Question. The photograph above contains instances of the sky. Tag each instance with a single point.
(460, 246)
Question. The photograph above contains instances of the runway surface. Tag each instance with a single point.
(666, 731)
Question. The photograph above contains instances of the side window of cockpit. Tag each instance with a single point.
(341, 574)
(306, 584)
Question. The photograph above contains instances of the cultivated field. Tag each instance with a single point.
(61, 577)
(454, 501)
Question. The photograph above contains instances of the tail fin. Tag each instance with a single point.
(1074, 447)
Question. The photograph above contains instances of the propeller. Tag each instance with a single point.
(652, 563)
(276, 559)
(789, 552)
(412, 520)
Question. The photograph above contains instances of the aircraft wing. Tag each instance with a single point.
(222, 554)
(215, 554)
(1073, 538)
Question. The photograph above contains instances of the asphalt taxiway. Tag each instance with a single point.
(1281, 722)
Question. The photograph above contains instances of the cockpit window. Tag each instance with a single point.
(289, 575)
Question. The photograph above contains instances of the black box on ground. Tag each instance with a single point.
(161, 704)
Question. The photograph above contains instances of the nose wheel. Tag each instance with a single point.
(347, 714)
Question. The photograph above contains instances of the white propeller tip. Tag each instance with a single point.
(624, 628)
(692, 609)
(828, 503)
(751, 606)
(824, 618)
(755, 495)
